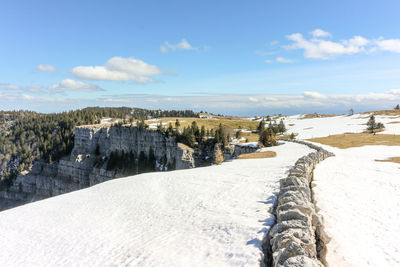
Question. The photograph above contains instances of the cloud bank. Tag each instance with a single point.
(64, 86)
(118, 69)
(69, 85)
(244, 104)
(318, 47)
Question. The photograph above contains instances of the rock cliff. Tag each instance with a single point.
(81, 168)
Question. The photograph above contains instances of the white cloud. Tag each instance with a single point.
(19, 98)
(182, 45)
(9, 87)
(320, 33)
(35, 89)
(118, 69)
(283, 60)
(69, 85)
(46, 67)
(264, 53)
(319, 48)
(314, 95)
(306, 102)
(390, 45)
(279, 60)
(395, 92)
(322, 49)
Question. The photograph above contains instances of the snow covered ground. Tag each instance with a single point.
(360, 201)
(358, 196)
(211, 216)
(321, 127)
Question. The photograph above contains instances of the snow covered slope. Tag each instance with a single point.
(360, 201)
(358, 196)
(321, 127)
(211, 216)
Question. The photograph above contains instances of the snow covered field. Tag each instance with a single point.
(321, 127)
(358, 196)
(211, 216)
(360, 201)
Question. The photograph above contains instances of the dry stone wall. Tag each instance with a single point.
(298, 237)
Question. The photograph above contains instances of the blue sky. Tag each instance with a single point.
(232, 57)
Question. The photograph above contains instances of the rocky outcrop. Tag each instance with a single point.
(244, 149)
(131, 139)
(298, 237)
(81, 170)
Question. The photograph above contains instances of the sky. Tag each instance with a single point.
(229, 57)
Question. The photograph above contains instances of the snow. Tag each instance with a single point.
(211, 216)
(358, 196)
(216, 216)
(325, 126)
(249, 144)
(360, 199)
(242, 130)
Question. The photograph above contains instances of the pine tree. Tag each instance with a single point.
(282, 127)
(373, 125)
(261, 126)
(170, 130)
(238, 134)
(202, 132)
(267, 137)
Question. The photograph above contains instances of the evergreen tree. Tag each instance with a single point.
(261, 126)
(267, 137)
(170, 130)
(202, 132)
(281, 127)
(371, 124)
(238, 134)
(177, 124)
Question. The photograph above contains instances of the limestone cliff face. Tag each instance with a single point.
(77, 171)
(129, 139)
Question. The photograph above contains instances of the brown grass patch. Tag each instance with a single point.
(376, 131)
(308, 128)
(393, 159)
(393, 122)
(251, 137)
(291, 124)
(384, 112)
(211, 123)
(258, 155)
(313, 115)
(358, 139)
